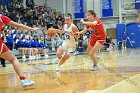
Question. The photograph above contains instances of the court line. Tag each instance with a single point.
(104, 90)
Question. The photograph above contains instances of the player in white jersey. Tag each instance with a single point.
(69, 44)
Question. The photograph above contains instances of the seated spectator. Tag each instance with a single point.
(20, 46)
(124, 40)
(43, 48)
(10, 41)
(138, 19)
(109, 43)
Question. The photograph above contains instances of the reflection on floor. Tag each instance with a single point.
(76, 77)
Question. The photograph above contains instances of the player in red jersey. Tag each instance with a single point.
(7, 54)
(98, 36)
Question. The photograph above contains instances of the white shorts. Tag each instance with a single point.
(68, 46)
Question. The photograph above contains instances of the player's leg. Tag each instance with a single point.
(92, 55)
(63, 59)
(124, 44)
(60, 50)
(89, 47)
(59, 55)
(10, 57)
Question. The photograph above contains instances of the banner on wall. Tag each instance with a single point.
(137, 4)
(107, 9)
(79, 9)
(5, 2)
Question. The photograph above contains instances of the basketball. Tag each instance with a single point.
(51, 32)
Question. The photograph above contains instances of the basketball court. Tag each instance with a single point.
(118, 73)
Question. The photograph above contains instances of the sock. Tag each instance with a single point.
(22, 78)
(59, 57)
(95, 65)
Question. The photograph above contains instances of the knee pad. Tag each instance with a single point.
(59, 54)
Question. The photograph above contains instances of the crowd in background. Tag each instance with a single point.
(32, 16)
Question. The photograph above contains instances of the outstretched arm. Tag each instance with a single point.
(21, 26)
(74, 31)
(83, 31)
(88, 23)
(60, 31)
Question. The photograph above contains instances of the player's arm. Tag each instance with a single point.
(60, 31)
(21, 26)
(88, 23)
(74, 31)
(82, 32)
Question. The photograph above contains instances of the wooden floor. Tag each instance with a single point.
(118, 73)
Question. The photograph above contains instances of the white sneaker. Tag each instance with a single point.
(24, 57)
(75, 53)
(39, 56)
(58, 68)
(30, 58)
(36, 57)
(56, 60)
(27, 82)
(46, 56)
(94, 68)
(98, 57)
(125, 48)
(53, 49)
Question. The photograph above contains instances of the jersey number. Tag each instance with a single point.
(67, 37)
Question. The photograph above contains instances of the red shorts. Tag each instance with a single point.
(94, 39)
(3, 47)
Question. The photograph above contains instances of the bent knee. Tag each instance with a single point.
(59, 54)
(92, 54)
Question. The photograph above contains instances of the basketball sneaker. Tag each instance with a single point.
(56, 60)
(27, 82)
(24, 57)
(94, 68)
(46, 56)
(58, 68)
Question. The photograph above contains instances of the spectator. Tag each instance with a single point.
(30, 3)
(124, 40)
(138, 19)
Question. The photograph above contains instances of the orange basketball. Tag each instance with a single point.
(51, 32)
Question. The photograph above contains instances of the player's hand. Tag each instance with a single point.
(77, 34)
(82, 21)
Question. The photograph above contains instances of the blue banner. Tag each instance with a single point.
(79, 9)
(5, 2)
(137, 4)
(107, 9)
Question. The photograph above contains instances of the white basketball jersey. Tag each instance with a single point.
(67, 30)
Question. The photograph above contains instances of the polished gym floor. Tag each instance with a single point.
(119, 72)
